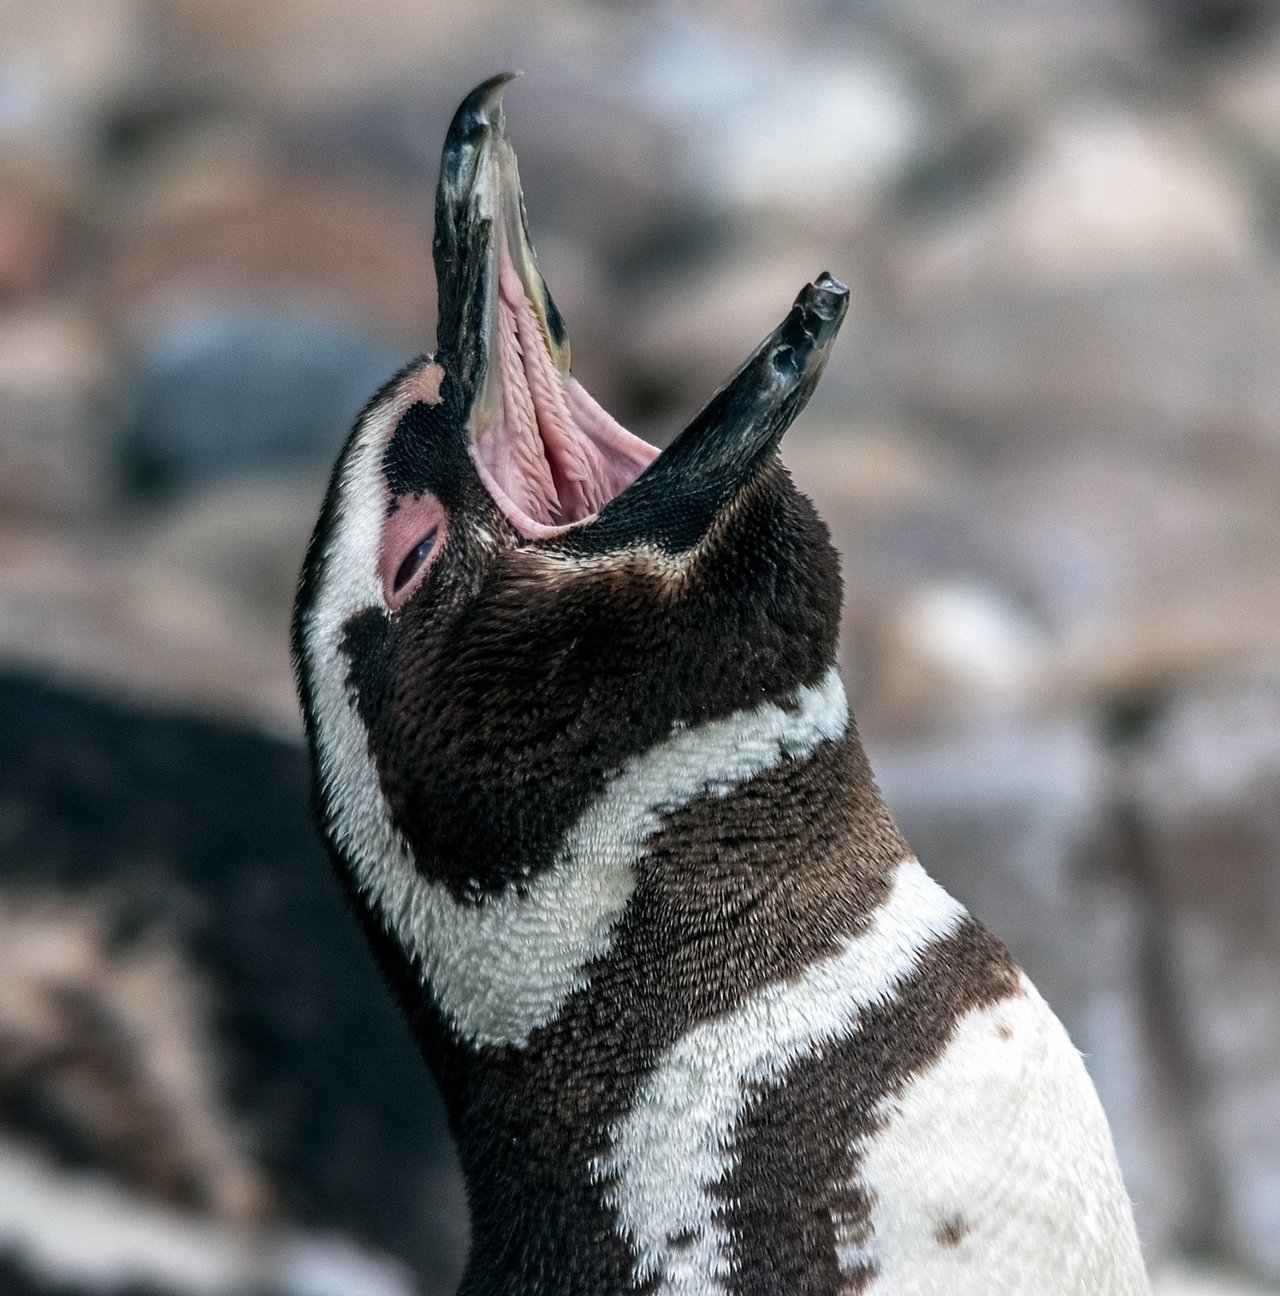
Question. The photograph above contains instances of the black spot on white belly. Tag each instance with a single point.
(952, 1231)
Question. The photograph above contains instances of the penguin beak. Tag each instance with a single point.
(548, 454)
(554, 461)
(481, 227)
(697, 477)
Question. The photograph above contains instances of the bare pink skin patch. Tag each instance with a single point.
(412, 536)
(551, 456)
(414, 530)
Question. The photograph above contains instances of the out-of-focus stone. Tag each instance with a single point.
(63, 66)
(1101, 194)
(30, 238)
(54, 388)
(1099, 577)
(742, 106)
(1208, 806)
(206, 629)
(1160, 362)
(305, 52)
(1012, 818)
(957, 647)
(1182, 1279)
(1244, 95)
(215, 229)
(862, 475)
(224, 393)
(1212, 26)
(243, 540)
(1011, 56)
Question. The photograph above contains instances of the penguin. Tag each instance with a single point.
(585, 766)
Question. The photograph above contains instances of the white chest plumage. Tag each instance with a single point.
(994, 1174)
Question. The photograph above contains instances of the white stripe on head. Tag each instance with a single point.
(673, 1147)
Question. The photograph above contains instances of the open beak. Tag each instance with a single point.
(550, 456)
(481, 229)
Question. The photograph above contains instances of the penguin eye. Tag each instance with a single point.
(413, 561)
(414, 533)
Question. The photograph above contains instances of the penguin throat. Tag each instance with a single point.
(547, 452)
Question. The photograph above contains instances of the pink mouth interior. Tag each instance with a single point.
(552, 456)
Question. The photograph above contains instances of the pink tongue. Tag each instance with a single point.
(553, 456)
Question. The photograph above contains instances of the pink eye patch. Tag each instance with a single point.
(413, 535)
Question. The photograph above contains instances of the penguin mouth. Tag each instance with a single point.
(549, 455)
(554, 462)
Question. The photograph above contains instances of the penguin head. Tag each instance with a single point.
(507, 594)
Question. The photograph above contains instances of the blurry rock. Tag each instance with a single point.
(63, 67)
(1013, 819)
(209, 227)
(225, 392)
(1183, 1279)
(1209, 812)
(1101, 194)
(1011, 56)
(1213, 24)
(1160, 362)
(948, 648)
(1047, 579)
(55, 385)
(863, 474)
(238, 544)
(92, 607)
(30, 238)
(1146, 576)
(1244, 94)
(188, 604)
(763, 126)
(307, 52)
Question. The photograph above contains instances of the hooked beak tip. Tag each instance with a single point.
(822, 306)
(481, 109)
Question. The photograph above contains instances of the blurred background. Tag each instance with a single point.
(1048, 446)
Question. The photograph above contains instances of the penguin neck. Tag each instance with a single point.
(726, 860)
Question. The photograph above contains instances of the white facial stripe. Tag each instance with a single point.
(1006, 1112)
(504, 967)
(349, 584)
(674, 1145)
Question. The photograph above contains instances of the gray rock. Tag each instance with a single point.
(1101, 193)
(1159, 361)
(741, 104)
(1056, 577)
(227, 392)
(213, 223)
(1209, 810)
(55, 390)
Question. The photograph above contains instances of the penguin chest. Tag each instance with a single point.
(905, 1117)
(992, 1171)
